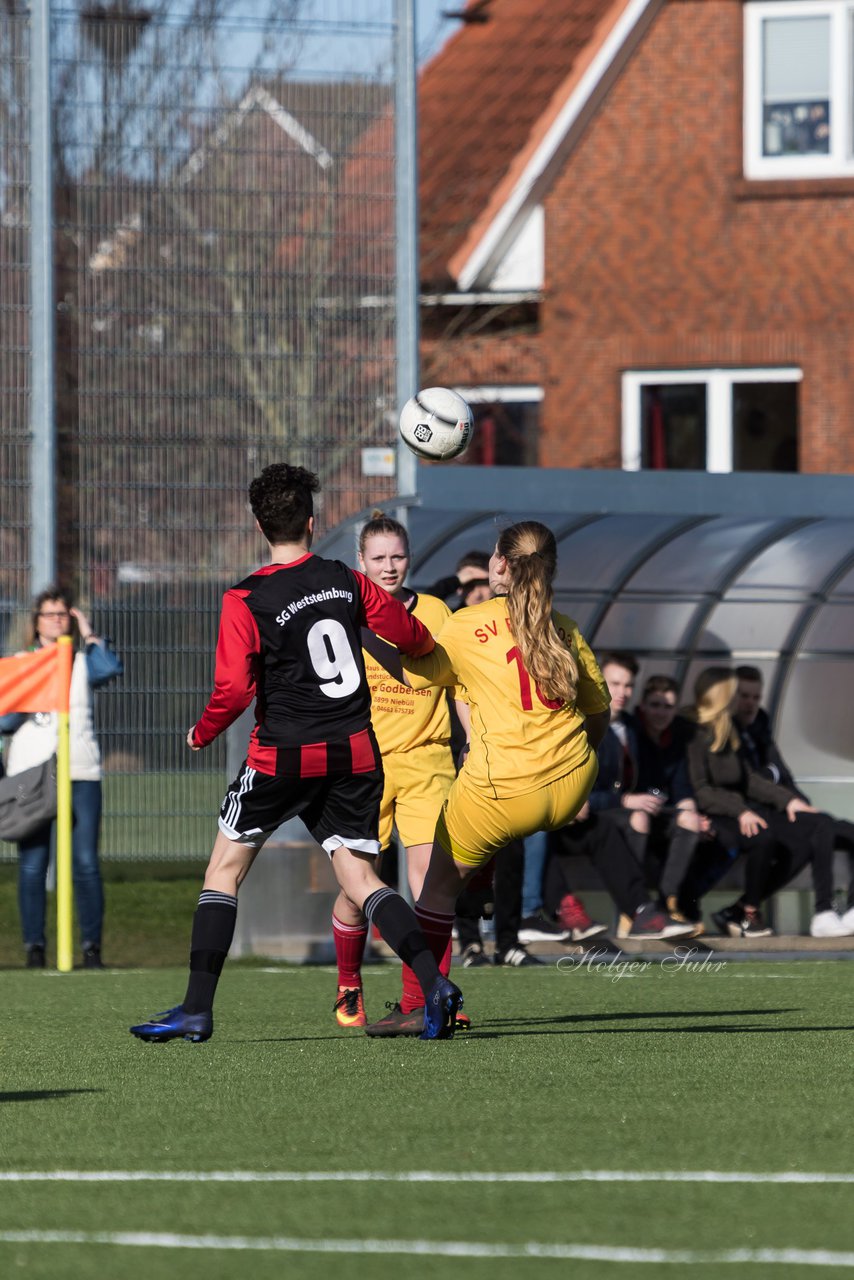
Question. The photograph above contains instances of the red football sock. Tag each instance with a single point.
(413, 996)
(437, 933)
(349, 948)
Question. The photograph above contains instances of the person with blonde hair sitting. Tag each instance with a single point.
(776, 829)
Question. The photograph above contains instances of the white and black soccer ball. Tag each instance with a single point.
(436, 424)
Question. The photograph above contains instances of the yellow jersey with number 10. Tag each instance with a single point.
(520, 741)
(405, 718)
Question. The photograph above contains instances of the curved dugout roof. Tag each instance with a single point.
(683, 569)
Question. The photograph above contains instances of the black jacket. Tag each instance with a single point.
(663, 766)
(725, 783)
(764, 754)
(618, 768)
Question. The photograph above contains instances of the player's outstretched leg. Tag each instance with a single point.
(212, 934)
(434, 914)
(213, 930)
(444, 1000)
(397, 924)
(406, 1018)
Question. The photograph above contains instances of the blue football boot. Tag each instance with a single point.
(175, 1024)
(440, 1010)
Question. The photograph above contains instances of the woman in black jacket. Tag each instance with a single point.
(774, 827)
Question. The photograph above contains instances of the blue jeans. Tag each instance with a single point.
(532, 882)
(33, 856)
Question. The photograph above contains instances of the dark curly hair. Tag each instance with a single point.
(282, 501)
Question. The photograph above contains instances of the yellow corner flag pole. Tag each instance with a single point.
(64, 944)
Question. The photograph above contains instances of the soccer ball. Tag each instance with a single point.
(436, 424)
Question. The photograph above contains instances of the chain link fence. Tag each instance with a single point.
(224, 273)
(14, 314)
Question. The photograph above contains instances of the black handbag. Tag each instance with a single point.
(27, 800)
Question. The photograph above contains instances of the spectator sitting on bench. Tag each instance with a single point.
(773, 826)
(754, 727)
(634, 790)
(662, 739)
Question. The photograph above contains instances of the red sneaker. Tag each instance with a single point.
(576, 921)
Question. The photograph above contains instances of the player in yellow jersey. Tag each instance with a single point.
(538, 707)
(413, 730)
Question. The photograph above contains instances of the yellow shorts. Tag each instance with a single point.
(472, 826)
(416, 785)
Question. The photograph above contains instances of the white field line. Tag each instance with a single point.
(786, 1177)
(436, 1248)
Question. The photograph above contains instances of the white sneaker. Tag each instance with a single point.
(539, 928)
(516, 956)
(848, 920)
(827, 924)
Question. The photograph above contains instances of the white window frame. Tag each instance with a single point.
(719, 385)
(517, 394)
(840, 160)
(501, 395)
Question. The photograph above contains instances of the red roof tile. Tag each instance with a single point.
(485, 101)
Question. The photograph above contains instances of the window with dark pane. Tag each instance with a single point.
(674, 427)
(765, 426)
(505, 434)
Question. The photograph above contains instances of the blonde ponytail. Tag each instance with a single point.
(531, 554)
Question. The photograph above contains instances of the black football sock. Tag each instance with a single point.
(398, 926)
(213, 930)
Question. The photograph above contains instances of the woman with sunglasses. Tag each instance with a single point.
(34, 740)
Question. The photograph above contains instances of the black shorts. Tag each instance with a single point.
(342, 809)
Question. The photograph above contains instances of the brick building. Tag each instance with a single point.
(638, 230)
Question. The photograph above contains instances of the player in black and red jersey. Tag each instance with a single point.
(290, 638)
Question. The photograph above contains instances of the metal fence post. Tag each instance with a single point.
(406, 274)
(42, 416)
(406, 228)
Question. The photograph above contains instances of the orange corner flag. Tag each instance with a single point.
(35, 681)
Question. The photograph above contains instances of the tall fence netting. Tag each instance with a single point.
(14, 311)
(224, 266)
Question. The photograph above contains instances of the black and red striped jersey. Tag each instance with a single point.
(290, 637)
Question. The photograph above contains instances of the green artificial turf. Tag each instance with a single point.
(745, 1068)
